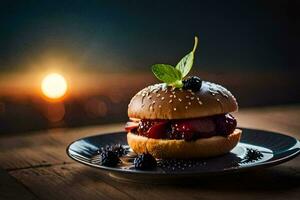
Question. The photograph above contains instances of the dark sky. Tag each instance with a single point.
(132, 35)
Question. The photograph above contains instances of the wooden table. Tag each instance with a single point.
(35, 166)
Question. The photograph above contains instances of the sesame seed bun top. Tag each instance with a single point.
(160, 101)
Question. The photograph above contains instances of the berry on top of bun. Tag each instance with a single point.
(182, 117)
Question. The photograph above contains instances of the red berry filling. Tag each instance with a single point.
(187, 129)
(131, 126)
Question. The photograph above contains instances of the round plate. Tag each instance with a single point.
(256, 148)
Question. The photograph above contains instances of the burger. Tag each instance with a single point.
(182, 117)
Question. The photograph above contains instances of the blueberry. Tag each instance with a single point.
(193, 83)
(109, 158)
(145, 162)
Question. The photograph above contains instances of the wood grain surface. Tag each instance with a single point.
(35, 166)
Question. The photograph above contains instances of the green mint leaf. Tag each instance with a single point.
(186, 63)
(177, 84)
(166, 73)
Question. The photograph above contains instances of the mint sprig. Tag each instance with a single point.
(166, 73)
(186, 63)
(173, 75)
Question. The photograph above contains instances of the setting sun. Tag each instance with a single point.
(54, 86)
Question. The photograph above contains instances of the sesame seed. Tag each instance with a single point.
(159, 106)
(187, 96)
(153, 102)
(192, 93)
(179, 99)
(174, 96)
(189, 103)
(218, 99)
(198, 98)
(171, 96)
(174, 109)
(143, 94)
(200, 102)
(151, 108)
(162, 98)
(170, 101)
(192, 98)
(186, 107)
(157, 95)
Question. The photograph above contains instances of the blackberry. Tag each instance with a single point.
(193, 83)
(118, 149)
(144, 126)
(109, 158)
(187, 136)
(105, 148)
(145, 162)
(179, 135)
(174, 133)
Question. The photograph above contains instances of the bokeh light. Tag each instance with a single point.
(2, 108)
(55, 112)
(95, 107)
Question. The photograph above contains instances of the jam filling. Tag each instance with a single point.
(187, 129)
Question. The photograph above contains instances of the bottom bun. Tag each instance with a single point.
(204, 147)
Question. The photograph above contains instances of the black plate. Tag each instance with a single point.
(272, 148)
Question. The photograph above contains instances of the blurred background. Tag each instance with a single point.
(75, 63)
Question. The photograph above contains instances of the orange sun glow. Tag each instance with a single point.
(54, 86)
